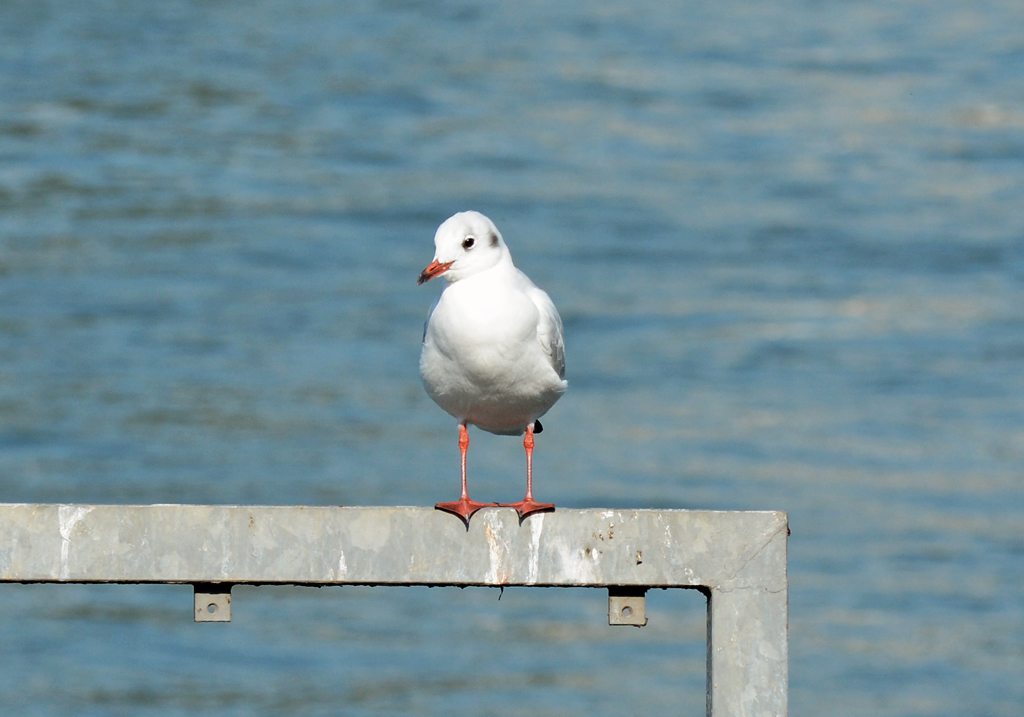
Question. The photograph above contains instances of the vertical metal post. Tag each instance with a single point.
(748, 652)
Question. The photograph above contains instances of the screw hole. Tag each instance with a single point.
(627, 611)
(211, 608)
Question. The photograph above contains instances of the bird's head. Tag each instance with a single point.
(465, 244)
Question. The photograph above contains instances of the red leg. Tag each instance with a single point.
(464, 507)
(528, 506)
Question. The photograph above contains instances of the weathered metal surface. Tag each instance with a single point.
(394, 546)
(748, 650)
(737, 558)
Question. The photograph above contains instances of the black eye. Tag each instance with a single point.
(468, 243)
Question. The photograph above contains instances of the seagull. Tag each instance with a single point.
(493, 353)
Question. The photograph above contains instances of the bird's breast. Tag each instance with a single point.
(481, 354)
(485, 330)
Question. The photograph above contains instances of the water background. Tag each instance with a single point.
(787, 243)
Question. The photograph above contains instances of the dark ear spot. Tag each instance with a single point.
(494, 239)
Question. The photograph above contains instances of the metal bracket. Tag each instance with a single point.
(212, 602)
(627, 606)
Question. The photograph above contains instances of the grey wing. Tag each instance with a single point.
(549, 330)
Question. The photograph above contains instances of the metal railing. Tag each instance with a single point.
(738, 559)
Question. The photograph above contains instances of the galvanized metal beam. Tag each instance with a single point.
(737, 558)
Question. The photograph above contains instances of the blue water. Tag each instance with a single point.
(787, 243)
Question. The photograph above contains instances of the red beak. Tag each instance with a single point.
(435, 269)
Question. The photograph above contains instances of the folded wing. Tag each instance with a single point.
(549, 328)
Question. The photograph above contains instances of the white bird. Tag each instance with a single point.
(493, 353)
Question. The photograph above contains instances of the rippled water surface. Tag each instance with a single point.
(787, 242)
